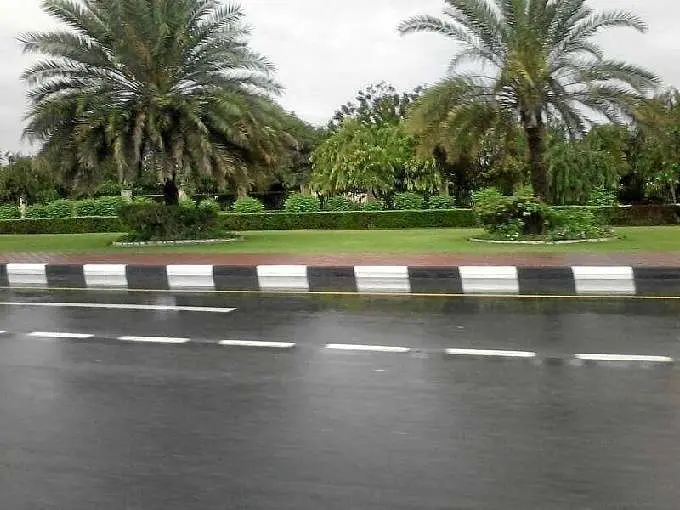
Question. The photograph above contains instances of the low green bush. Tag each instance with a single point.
(358, 220)
(158, 222)
(210, 204)
(9, 212)
(108, 189)
(576, 224)
(511, 217)
(408, 201)
(104, 206)
(36, 211)
(639, 215)
(300, 203)
(336, 204)
(248, 205)
(91, 225)
(440, 202)
(59, 209)
(603, 197)
(373, 204)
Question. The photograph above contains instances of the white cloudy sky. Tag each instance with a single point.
(326, 50)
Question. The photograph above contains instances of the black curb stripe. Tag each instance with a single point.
(435, 280)
(65, 276)
(4, 278)
(657, 281)
(235, 278)
(331, 279)
(546, 281)
(147, 277)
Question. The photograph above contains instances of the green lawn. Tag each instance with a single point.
(364, 241)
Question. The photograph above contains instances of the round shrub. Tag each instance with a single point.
(440, 202)
(408, 201)
(373, 205)
(59, 209)
(9, 212)
(339, 204)
(302, 204)
(109, 206)
(210, 204)
(248, 205)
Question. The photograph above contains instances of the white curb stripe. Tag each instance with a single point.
(54, 334)
(31, 275)
(190, 277)
(251, 343)
(490, 353)
(122, 306)
(382, 279)
(368, 348)
(282, 278)
(105, 275)
(154, 339)
(489, 279)
(604, 280)
(623, 357)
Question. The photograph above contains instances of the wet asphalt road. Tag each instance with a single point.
(100, 423)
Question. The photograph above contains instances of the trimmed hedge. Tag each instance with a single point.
(634, 216)
(91, 225)
(355, 220)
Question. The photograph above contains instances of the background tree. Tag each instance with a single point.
(539, 62)
(373, 159)
(377, 104)
(165, 84)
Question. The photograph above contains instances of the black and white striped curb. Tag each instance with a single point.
(474, 280)
(454, 353)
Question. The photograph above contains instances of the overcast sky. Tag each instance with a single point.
(326, 50)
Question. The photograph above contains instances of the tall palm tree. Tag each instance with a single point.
(169, 80)
(537, 62)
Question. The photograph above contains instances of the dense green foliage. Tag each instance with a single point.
(524, 216)
(153, 86)
(248, 205)
(440, 202)
(301, 203)
(337, 204)
(9, 212)
(538, 61)
(359, 220)
(408, 201)
(158, 222)
(89, 225)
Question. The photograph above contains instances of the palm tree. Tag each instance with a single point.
(538, 63)
(168, 81)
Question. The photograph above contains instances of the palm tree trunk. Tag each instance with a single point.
(539, 171)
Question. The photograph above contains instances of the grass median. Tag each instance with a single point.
(656, 239)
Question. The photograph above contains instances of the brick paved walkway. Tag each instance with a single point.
(649, 259)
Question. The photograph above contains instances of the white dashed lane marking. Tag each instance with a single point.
(619, 358)
(367, 348)
(154, 339)
(490, 353)
(252, 343)
(55, 334)
(122, 306)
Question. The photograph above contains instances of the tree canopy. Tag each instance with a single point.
(537, 61)
(170, 84)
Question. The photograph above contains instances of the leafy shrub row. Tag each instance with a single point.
(91, 225)
(104, 206)
(353, 220)
(456, 218)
